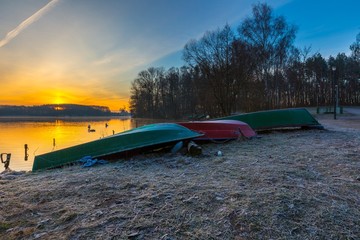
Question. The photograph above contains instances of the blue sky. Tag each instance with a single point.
(89, 51)
(329, 27)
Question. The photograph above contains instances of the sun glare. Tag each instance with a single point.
(59, 108)
(58, 99)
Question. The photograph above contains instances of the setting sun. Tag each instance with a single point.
(58, 99)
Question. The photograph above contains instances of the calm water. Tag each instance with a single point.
(47, 134)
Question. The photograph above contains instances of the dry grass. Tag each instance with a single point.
(284, 185)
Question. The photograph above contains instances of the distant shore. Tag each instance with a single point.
(61, 117)
(59, 110)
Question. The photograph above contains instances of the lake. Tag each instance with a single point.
(25, 138)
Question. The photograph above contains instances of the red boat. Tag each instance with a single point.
(220, 129)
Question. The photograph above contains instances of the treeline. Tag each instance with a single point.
(256, 67)
(55, 110)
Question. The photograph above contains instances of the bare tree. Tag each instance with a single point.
(270, 39)
(355, 48)
(146, 92)
(213, 54)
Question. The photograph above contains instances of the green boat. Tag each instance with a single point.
(138, 139)
(279, 118)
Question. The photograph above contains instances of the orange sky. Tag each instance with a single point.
(47, 85)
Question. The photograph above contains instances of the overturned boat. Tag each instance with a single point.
(220, 129)
(279, 118)
(144, 138)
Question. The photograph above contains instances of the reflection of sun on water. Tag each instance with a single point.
(58, 135)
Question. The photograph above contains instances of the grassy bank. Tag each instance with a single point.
(283, 185)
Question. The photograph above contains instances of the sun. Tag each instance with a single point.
(58, 99)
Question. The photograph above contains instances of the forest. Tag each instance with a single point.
(256, 67)
(55, 110)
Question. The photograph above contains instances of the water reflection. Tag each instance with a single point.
(26, 137)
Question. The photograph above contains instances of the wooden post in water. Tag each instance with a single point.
(26, 152)
(6, 161)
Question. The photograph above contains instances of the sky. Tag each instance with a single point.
(89, 51)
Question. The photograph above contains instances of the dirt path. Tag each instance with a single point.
(352, 110)
(349, 120)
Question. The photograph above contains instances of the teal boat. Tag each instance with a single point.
(279, 118)
(143, 138)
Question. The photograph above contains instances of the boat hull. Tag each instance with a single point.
(145, 137)
(281, 118)
(220, 129)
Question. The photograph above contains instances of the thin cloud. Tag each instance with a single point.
(26, 23)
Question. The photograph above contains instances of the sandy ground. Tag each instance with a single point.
(302, 184)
